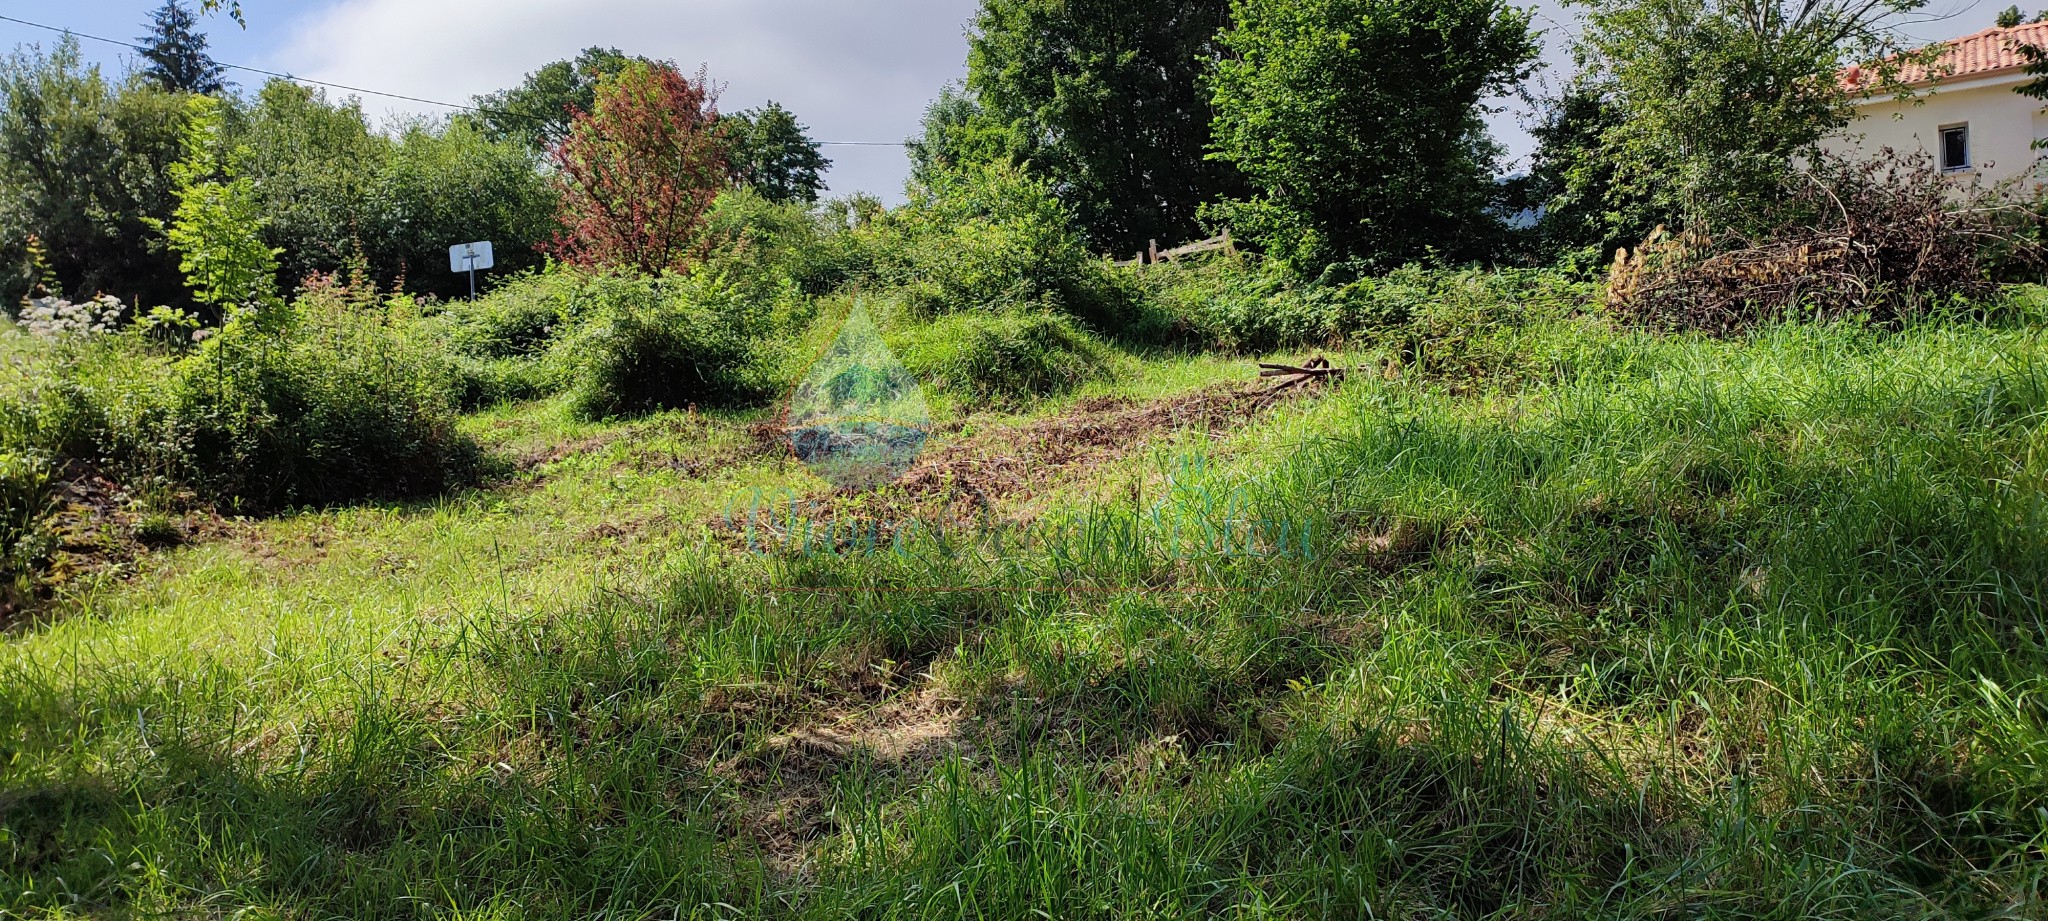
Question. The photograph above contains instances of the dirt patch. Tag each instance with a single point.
(965, 480)
(99, 531)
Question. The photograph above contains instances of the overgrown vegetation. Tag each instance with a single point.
(783, 558)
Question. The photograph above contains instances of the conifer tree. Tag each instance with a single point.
(177, 53)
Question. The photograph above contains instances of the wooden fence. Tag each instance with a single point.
(1154, 254)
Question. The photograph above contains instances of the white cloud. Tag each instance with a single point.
(851, 71)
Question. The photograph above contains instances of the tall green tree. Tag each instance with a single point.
(176, 52)
(1720, 100)
(316, 165)
(84, 165)
(217, 225)
(768, 149)
(448, 182)
(1107, 97)
(957, 134)
(1572, 182)
(1359, 125)
(539, 111)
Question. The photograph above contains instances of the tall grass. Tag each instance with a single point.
(1670, 628)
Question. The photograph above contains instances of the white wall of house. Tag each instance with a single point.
(2002, 126)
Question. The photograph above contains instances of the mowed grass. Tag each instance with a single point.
(1665, 628)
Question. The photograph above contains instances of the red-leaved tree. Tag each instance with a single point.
(638, 173)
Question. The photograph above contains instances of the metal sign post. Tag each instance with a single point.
(469, 257)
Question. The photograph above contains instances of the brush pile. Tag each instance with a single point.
(1887, 238)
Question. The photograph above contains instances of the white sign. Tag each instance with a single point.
(464, 257)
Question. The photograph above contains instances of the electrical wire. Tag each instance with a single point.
(370, 92)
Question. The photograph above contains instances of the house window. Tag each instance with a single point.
(1955, 148)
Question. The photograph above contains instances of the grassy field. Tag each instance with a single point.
(1663, 627)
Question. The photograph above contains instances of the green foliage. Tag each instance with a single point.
(1358, 124)
(315, 406)
(446, 183)
(1260, 307)
(24, 505)
(537, 113)
(84, 165)
(1720, 101)
(216, 226)
(778, 249)
(1013, 355)
(993, 238)
(334, 192)
(1110, 99)
(504, 346)
(769, 151)
(176, 53)
(309, 403)
(1586, 214)
(668, 342)
(316, 165)
(957, 134)
(25, 468)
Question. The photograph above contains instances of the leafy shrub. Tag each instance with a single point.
(1886, 238)
(24, 504)
(1013, 354)
(313, 405)
(519, 320)
(766, 245)
(1239, 305)
(1451, 322)
(666, 343)
(990, 238)
(24, 471)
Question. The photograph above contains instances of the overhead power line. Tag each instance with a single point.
(369, 92)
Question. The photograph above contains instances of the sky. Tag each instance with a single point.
(860, 71)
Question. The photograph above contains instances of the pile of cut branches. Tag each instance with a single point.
(1886, 238)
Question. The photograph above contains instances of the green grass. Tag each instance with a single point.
(1660, 628)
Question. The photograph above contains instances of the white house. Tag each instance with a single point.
(1962, 112)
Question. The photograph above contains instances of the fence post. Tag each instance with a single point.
(1153, 249)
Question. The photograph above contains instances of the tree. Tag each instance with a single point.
(2010, 16)
(1108, 97)
(315, 164)
(1358, 124)
(770, 151)
(955, 134)
(217, 225)
(638, 173)
(84, 164)
(1721, 100)
(445, 183)
(1572, 181)
(539, 111)
(177, 53)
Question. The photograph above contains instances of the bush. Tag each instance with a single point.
(312, 405)
(993, 239)
(24, 473)
(1010, 355)
(666, 343)
(24, 505)
(767, 247)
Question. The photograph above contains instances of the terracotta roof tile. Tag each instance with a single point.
(1987, 52)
